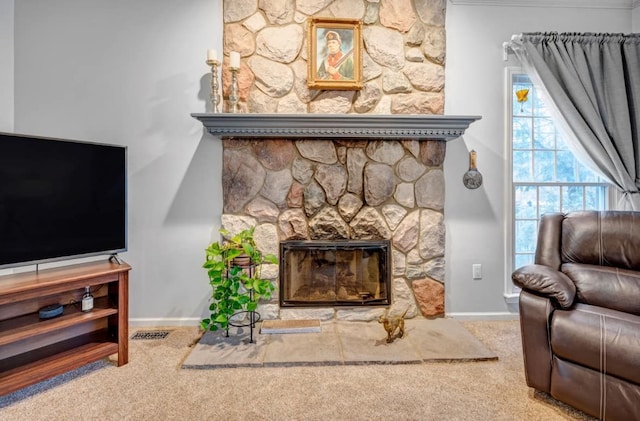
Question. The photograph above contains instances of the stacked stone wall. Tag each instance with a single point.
(403, 55)
(342, 189)
(345, 189)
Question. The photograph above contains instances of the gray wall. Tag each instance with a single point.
(6, 65)
(475, 75)
(130, 73)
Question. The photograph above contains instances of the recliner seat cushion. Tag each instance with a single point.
(602, 339)
(605, 286)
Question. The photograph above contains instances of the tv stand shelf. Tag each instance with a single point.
(32, 350)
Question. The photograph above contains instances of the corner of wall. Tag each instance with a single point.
(635, 16)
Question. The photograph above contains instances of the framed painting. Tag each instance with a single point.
(335, 54)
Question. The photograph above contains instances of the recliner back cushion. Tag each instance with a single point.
(607, 238)
(603, 286)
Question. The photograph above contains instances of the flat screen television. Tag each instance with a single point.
(60, 199)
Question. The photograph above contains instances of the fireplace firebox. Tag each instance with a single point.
(335, 273)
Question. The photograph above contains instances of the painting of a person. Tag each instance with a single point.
(337, 64)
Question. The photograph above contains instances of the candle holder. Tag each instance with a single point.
(214, 95)
(233, 95)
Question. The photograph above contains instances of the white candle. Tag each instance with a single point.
(234, 60)
(212, 55)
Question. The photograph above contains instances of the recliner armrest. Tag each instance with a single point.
(547, 282)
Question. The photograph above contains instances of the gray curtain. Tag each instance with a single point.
(593, 81)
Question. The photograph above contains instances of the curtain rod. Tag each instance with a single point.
(506, 46)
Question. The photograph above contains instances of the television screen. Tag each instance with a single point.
(60, 199)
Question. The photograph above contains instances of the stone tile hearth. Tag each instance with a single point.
(340, 343)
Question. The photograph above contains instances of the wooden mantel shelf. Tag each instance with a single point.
(370, 126)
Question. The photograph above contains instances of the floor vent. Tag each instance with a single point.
(150, 334)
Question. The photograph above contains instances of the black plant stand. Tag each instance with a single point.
(254, 316)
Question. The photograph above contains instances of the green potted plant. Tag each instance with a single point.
(234, 266)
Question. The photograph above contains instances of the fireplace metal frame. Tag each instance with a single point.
(383, 245)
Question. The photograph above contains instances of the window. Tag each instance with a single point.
(546, 177)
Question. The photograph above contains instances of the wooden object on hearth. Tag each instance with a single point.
(32, 350)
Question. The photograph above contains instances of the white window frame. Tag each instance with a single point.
(512, 292)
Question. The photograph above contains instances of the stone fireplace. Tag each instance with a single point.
(373, 182)
(307, 165)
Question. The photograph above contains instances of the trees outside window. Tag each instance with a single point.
(546, 176)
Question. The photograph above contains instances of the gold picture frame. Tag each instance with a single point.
(335, 54)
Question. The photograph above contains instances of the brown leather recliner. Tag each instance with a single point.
(580, 312)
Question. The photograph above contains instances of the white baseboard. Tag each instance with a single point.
(484, 316)
(170, 321)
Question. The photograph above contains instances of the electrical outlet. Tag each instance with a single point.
(476, 269)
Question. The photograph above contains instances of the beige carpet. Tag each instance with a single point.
(340, 343)
(154, 387)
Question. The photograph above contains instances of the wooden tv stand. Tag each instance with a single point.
(32, 350)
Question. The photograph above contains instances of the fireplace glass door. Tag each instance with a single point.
(332, 273)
